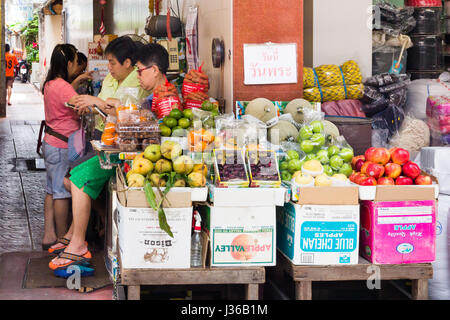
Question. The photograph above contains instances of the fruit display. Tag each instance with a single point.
(164, 165)
(380, 166)
(176, 123)
(134, 136)
(263, 168)
(230, 169)
(335, 158)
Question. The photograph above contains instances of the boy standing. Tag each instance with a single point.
(11, 62)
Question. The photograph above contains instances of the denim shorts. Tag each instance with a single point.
(56, 165)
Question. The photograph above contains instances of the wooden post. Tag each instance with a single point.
(134, 292)
(252, 291)
(303, 290)
(420, 289)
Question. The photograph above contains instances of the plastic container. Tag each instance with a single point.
(263, 168)
(295, 188)
(428, 20)
(138, 130)
(426, 53)
(196, 243)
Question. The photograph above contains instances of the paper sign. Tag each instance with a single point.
(92, 51)
(270, 63)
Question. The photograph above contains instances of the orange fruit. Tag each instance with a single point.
(110, 127)
(107, 139)
(207, 136)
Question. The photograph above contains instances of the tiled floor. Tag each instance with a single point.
(22, 197)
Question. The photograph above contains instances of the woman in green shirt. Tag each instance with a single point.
(88, 178)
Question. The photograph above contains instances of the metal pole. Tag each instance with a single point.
(2, 65)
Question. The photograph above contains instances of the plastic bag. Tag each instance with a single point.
(413, 135)
(165, 98)
(418, 92)
(128, 111)
(385, 79)
(389, 119)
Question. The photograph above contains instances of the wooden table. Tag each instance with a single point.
(252, 277)
(304, 275)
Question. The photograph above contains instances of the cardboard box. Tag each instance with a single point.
(322, 228)
(142, 243)
(176, 198)
(240, 236)
(247, 197)
(399, 227)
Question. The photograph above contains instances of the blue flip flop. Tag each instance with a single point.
(85, 271)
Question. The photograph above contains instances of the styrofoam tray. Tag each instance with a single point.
(369, 192)
(197, 194)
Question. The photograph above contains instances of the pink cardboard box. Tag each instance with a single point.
(396, 232)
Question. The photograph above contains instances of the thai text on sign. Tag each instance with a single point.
(270, 63)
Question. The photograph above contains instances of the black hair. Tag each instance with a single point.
(62, 54)
(154, 54)
(7, 48)
(122, 48)
(82, 59)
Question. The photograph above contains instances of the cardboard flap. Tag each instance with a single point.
(329, 195)
(136, 198)
(407, 193)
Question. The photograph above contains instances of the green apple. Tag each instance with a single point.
(327, 170)
(306, 132)
(283, 165)
(333, 150)
(317, 126)
(292, 154)
(286, 176)
(346, 169)
(318, 139)
(346, 154)
(307, 146)
(322, 156)
(294, 165)
(336, 162)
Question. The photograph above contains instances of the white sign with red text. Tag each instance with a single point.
(270, 63)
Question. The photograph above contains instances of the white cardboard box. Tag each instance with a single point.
(142, 244)
(319, 234)
(241, 236)
(247, 197)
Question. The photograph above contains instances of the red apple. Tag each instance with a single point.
(364, 167)
(385, 181)
(359, 164)
(423, 180)
(375, 170)
(355, 160)
(359, 177)
(380, 156)
(391, 150)
(402, 180)
(368, 181)
(369, 154)
(411, 170)
(400, 156)
(353, 176)
(392, 170)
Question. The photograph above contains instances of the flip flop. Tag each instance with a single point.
(75, 260)
(65, 242)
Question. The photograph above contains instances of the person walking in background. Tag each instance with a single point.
(11, 62)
